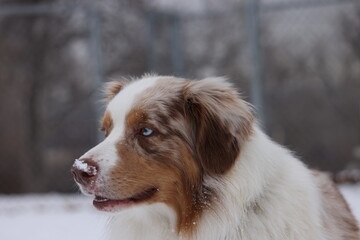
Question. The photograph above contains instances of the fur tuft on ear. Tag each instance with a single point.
(112, 88)
(221, 122)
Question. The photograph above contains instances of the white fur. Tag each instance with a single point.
(268, 194)
(151, 222)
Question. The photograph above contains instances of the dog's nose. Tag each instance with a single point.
(84, 171)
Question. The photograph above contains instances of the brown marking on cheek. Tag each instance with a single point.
(180, 187)
(179, 180)
(107, 123)
(131, 173)
(190, 198)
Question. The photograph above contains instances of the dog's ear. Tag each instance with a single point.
(220, 122)
(113, 87)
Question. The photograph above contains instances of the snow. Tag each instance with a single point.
(351, 193)
(83, 166)
(50, 216)
(72, 217)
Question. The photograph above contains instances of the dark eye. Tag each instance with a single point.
(146, 132)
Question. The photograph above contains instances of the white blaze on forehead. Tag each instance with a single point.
(105, 153)
(122, 103)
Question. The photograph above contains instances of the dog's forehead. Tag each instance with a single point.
(124, 101)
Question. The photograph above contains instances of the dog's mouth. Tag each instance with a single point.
(106, 204)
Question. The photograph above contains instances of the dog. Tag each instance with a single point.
(185, 159)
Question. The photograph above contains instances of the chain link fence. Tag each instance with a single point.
(297, 61)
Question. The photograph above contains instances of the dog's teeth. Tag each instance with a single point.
(101, 199)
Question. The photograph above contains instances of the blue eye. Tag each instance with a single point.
(146, 132)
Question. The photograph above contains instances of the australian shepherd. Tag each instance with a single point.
(186, 159)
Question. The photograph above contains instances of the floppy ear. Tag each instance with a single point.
(113, 87)
(220, 121)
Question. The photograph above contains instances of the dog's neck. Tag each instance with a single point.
(155, 221)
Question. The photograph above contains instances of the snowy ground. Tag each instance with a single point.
(59, 217)
(49, 217)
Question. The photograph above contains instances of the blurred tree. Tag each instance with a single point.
(34, 55)
(313, 95)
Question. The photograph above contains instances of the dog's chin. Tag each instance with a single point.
(107, 204)
(85, 191)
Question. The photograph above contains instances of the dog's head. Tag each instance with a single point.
(164, 135)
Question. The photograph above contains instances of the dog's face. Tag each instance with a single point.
(163, 135)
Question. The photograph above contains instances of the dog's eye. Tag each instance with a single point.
(146, 132)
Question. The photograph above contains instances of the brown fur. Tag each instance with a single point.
(217, 137)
